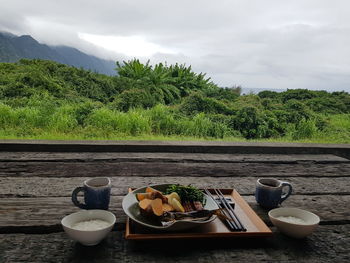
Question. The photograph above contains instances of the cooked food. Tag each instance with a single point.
(173, 203)
(177, 205)
(173, 195)
(192, 198)
(141, 196)
(145, 203)
(157, 206)
(150, 190)
(151, 195)
(167, 207)
(186, 193)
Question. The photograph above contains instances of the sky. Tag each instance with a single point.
(270, 44)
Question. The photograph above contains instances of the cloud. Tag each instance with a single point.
(130, 46)
(256, 44)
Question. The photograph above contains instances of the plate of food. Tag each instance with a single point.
(170, 207)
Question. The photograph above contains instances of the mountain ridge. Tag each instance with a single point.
(14, 48)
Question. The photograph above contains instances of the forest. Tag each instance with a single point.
(42, 99)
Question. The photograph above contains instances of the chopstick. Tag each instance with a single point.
(230, 223)
(230, 210)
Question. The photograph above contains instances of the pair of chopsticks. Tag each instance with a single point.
(234, 223)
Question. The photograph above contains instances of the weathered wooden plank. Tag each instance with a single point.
(92, 169)
(168, 157)
(331, 209)
(46, 213)
(327, 244)
(175, 146)
(56, 187)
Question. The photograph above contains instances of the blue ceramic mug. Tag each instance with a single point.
(269, 193)
(97, 192)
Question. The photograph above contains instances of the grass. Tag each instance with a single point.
(71, 136)
(87, 122)
(331, 137)
(337, 131)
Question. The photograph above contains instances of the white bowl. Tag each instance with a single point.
(295, 230)
(88, 237)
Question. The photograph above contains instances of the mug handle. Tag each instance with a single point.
(285, 196)
(75, 197)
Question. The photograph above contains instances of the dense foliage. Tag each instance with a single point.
(44, 97)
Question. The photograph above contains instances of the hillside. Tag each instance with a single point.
(13, 48)
(44, 99)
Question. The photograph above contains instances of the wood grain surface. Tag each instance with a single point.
(46, 211)
(146, 169)
(35, 189)
(58, 187)
(327, 244)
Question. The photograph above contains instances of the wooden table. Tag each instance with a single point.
(36, 180)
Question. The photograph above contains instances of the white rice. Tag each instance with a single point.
(292, 219)
(91, 225)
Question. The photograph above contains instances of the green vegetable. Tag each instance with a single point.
(186, 193)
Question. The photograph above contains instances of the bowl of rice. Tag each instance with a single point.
(88, 227)
(294, 222)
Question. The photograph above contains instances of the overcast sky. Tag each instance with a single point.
(255, 44)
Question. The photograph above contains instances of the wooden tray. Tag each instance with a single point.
(216, 229)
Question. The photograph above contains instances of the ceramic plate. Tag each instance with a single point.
(131, 208)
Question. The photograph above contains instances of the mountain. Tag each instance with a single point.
(13, 48)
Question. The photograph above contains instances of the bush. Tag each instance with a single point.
(137, 123)
(83, 110)
(268, 94)
(28, 77)
(250, 100)
(16, 89)
(196, 103)
(220, 130)
(29, 117)
(26, 117)
(304, 130)
(133, 122)
(297, 94)
(6, 115)
(63, 119)
(229, 94)
(253, 124)
(297, 111)
(133, 98)
(327, 105)
(201, 126)
(103, 118)
(162, 120)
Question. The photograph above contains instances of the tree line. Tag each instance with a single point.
(155, 99)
